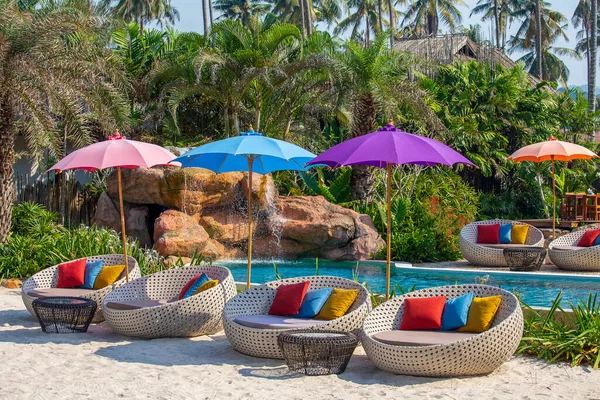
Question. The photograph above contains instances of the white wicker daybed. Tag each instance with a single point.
(262, 342)
(491, 255)
(565, 253)
(48, 278)
(478, 354)
(149, 307)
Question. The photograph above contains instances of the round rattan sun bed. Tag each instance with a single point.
(476, 355)
(48, 278)
(565, 254)
(492, 255)
(197, 315)
(260, 342)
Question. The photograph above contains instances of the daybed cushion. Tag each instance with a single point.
(276, 322)
(420, 338)
(289, 298)
(481, 314)
(456, 312)
(338, 304)
(505, 246)
(588, 238)
(92, 270)
(568, 248)
(313, 302)
(71, 274)
(135, 304)
(108, 275)
(58, 292)
(423, 313)
(505, 231)
(207, 285)
(488, 234)
(196, 285)
(518, 234)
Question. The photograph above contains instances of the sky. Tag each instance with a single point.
(190, 12)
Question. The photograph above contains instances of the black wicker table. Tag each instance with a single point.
(524, 258)
(64, 314)
(314, 352)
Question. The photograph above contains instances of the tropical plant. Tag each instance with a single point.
(243, 10)
(555, 335)
(365, 15)
(500, 12)
(141, 11)
(424, 16)
(58, 70)
(337, 191)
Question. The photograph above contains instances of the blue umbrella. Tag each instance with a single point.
(249, 152)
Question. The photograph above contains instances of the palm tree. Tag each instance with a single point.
(365, 15)
(368, 73)
(142, 11)
(500, 12)
(291, 11)
(241, 9)
(553, 68)
(424, 15)
(55, 74)
(592, 63)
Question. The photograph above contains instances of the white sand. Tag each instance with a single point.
(102, 365)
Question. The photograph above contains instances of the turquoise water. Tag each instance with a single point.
(534, 289)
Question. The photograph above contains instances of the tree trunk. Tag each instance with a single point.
(257, 112)
(367, 29)
(302, 18)
(7, 159)
(497, 21)
(308, 17)
(392, 23)
(205, 16)
(226, 118)
(364, 115)
(287, 127)
(432, 24)
(210, 9)
(538, 37)
(63, 182)
(380, 14)
(593, 63)
(236, 121)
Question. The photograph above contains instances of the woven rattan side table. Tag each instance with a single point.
(314, 352)
(524, 258)
(64, 314)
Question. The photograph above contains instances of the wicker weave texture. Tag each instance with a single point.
(486, 256)
(48, 278)
(197, 315)
(480, 354)
(586, 259)
(257, 301)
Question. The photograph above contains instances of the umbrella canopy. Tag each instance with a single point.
(116, 152)
(552, 150)
(384, 148)
(250, 152)
(233, 154)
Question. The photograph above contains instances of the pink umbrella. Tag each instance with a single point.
(116, 152)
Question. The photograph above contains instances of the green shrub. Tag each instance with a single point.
(37, 242)
(574, 338)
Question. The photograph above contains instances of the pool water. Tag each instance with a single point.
(533, 288)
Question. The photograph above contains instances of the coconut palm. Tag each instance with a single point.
(424, 16)
(55, 73)
(241, 9)
(327, 11)
(365, 16)
(142, 11)
(500, 12)
(367, 73)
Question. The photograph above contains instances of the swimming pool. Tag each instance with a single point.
(534, 289)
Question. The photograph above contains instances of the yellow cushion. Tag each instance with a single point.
(518, 234)
(206, 285)
(481, 314)
(108, 275)
(339, 301)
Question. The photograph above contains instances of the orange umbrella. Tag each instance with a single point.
(552, 150)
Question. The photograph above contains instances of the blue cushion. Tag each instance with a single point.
(597, 241)
(456, 312)
(505, 233)
(92, 270)
(199, 282)
(313, 301)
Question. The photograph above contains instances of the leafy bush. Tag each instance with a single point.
(37, 242)
(574, 338)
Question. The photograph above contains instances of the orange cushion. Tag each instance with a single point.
(588, 238)
(71, 274)
(423, 313)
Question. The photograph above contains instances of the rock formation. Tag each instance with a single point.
(207, 213)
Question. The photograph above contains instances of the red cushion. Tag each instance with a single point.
(71, 274)
(423, 313)
(288, 299)
(488, 234)
(188, 285)
(588, 238)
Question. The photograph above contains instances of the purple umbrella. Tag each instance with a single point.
(384, 148)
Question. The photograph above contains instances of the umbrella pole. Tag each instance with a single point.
(250, 161)
(389, 230)
(123, 234)
(553, 202)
